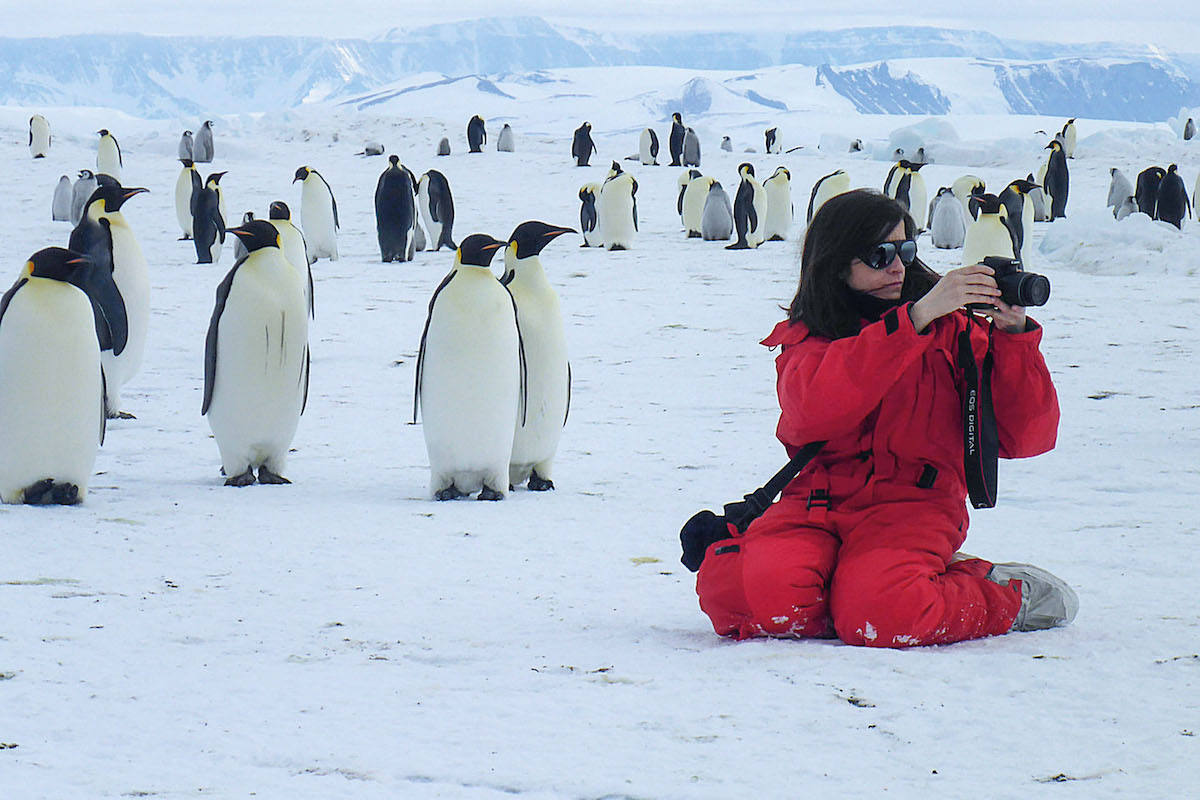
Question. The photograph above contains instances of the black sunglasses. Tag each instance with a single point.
(882, 255)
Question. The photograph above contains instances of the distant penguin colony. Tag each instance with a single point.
(778, 188)
(547, 371)
(318, 214)
(582, 145)
(437, 209)
(395, 213)
(504, 141)
(39, 136)
(470, 377)
(256, 360)
(476, 134)
(202, 144)
(617, 209)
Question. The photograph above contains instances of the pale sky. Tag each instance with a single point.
(1172, 24)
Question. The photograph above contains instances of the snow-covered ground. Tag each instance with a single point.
(347, 637)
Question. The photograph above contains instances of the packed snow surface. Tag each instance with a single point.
(345, 636)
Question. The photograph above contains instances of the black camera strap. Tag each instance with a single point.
(981, 440)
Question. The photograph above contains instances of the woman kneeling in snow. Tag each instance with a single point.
(862, 544)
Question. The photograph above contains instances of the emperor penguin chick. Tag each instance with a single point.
(547, 372)
(470, 371)
(256, 359)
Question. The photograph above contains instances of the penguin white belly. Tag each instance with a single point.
(316, 217)
(1026, 229)
(296, 254)
(693, 206)
(986, 236)
(258, 388)
(133, 281)
(779, 210)
(434, 229)
(108, 159)
(470, 385)
(535, 442)
(39, 134)
(51, 399)
(183, 202)
(832, 186)
(754, 237)
(918, 201)
(615, 211)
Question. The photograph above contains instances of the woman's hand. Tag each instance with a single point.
(1010, 319)
(973, 284)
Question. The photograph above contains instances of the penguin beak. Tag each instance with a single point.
(131, 191)
(550, 234)
(241, 233)
(492, 246)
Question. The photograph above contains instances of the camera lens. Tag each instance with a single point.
(1033, 290)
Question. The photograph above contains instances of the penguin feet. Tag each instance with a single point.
(489, 494)
(120, 415)
(539, 484)
(451, 492)
(245, 479)
(738, 245)
(266, 476)
(184, 238)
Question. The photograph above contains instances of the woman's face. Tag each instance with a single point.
(883, 283)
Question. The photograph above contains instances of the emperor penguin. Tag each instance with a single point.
(476, 134)
(987, 235)
(216, 182)
(691, 148)
(779, 206)
(1189, 129)
(470, 377)
(443, 148)
(749, 210)
(504, 142)
(370, 150)
(589, 193)
(716, 222)
(1019, 218)
(831, 185)
(726, 144)
(1118, 189)
(618, 209)
(1172, 203)
(1037, 195)
(108, 155)
(964, 188)
(685, 178)
(256, 360)
(239, 247)
(773, 142)
(187, 147)
(1125, 208)
(1147, 189)
(318, 214)
(52, 394)
(39, 136)
(437, 209)
(208, 223)
(187, 188)
(906, 185)
(291, 241)
(694, 196)
(108, 232)
(547, 371)
(648, 147)
(395, 213)
(948, 221)
(675, 142)
(1058, 181)
(582, 145)
(81, 190)
(1069, 137)
(202, 144)
(60, 206)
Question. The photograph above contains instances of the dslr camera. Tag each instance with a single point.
(1017, 287)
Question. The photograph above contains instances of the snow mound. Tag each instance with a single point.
(1093, 243)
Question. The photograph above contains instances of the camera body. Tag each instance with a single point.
(1017, 287)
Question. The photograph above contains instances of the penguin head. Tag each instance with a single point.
(784, 172)
(746, 168)
(905, 163)
(394, 160)
(1055, 145)
(986, 203)
(247, 217)
(56, 263)
(215, 179)
(614, 170)
(677, 117)
(301, 174)
(477, 250)
(528, 238)
(111, 193)
(1023, 185)
(256, 234)
(187, 133)
(85, 174)
(207, 123)
(279, 210)
(1172, 169)
(187, 163)
(103, 132)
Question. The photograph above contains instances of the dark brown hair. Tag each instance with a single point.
(846, 227)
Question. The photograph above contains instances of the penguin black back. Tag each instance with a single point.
(394, 212)
(1171, 204)
(476, 134)
(582, 145)
(675, 142)
(1058, 180)
(1146, 192)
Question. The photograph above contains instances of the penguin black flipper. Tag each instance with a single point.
(424, 334)
(633, 197)
(108, 306)
(902, 190)
(521, 353)
(653, 144)
(8, 296)
(307, 369)
(103, 404)
(210, 341)
(120, 160)
(336, 225)
(567, 413)
(887, 184)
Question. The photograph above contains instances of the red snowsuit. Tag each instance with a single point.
(860, 543)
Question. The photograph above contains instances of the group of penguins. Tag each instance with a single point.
(1159, 194)
(492, 349)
